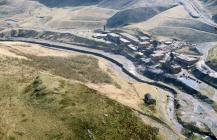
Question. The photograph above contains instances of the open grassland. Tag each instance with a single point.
(85, 113)
(212, 58)
(40, 101)
(81, 68)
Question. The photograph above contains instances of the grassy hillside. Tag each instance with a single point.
(128, 4)
(37, 104)
(212, 58)
(81, 68)
(85, 113)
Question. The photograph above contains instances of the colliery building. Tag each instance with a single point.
(157, 56)
(124, 41)
(144, 38)
(113, 37)
(186, 60)
(175, 69)
(144, 44)
(132, 39)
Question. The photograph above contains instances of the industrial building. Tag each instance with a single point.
(157, 56)
(132, 39)
(186, 60)
(124, 41)
(113, 37)
(144, 44)
(175, 69)
(144, 38)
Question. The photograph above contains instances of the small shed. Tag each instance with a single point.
(149, 100)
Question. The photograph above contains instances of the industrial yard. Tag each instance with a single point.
(174, 57)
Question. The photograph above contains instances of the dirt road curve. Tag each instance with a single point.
(196, 10)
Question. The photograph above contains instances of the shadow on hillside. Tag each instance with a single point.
(66, 3)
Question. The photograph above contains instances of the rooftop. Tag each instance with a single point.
(113, 34)
(175, 66)
(128, 36)
(144, 38)
(131, 46)
(168, 42)
(100, 35)
(186, 58)
(139, 53)
(144, 43)
(124, 40)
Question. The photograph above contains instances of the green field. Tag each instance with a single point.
(38, 101)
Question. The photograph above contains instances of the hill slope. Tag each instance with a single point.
(135, 15)
(67, 3)
(177, 23)
(37, 102)
(129, 4)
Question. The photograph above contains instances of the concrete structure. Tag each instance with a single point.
(163, 62)
(144, 38)
(157, 56)
(99, 36)
(186, 60)
(132, 47)
(149, 100)
(132, 39)
(113, 37)
(124, 41)
(146, 61)
(140, 54)
(168, 42)
(175, 69)
(144, 44)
